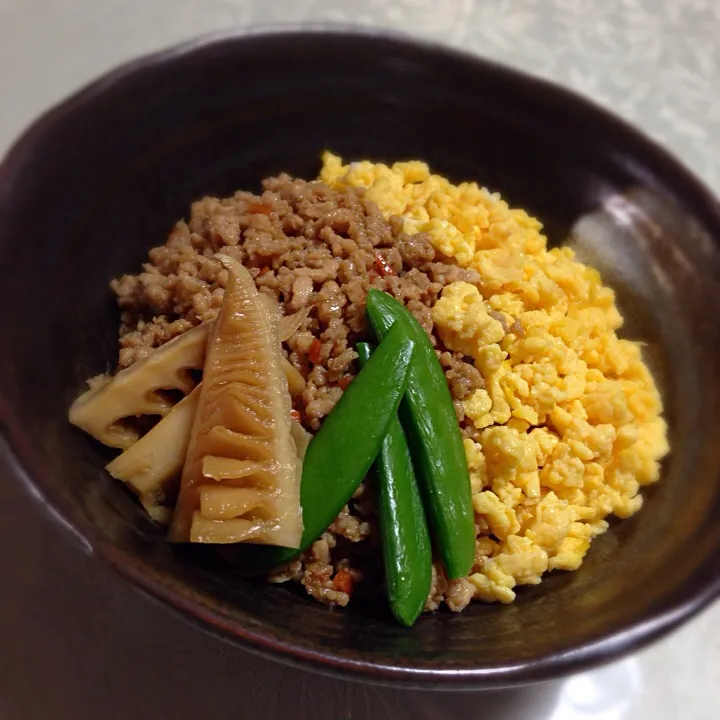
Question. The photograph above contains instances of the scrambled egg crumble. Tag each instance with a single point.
(568, 427)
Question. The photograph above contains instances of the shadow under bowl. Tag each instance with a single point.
(101, 178)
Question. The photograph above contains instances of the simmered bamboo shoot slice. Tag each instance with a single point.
(241, 436)
(161, 514)
(222, 503)
(301, 437)
(135, 390)
(222, 532)
(296, 382)
(155, 461)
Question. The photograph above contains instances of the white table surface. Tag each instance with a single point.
(656, 62)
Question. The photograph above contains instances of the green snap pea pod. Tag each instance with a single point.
(429, 419)
(342, 451)
(403, 528)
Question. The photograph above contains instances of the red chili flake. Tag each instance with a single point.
(314, 351)
(264, 269)
(261, 208)
(295, 415)
(343, 581)
(382, 265)
(344, 381)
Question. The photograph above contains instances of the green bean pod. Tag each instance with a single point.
(429, 419)
(403, 528)
(342, 451)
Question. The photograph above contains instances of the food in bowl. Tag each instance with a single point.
(544, 424)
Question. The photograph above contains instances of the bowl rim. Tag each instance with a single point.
(16, 456)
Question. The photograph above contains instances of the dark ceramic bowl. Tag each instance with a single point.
(101, 178)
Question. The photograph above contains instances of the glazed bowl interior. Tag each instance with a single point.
(101, 179)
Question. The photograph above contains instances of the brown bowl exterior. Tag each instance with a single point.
(101, 178)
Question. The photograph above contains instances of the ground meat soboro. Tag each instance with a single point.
(307, 246)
